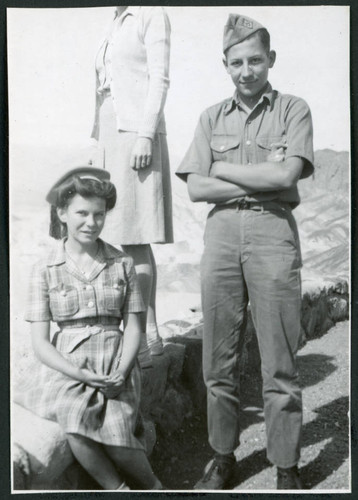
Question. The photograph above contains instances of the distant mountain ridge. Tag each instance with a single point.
(331, 172)
(323, 216)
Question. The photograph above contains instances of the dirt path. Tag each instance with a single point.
(324, 464)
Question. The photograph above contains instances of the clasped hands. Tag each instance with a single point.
(109, 385)
(277, 154)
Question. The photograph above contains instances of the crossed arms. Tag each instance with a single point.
(220, 181)
(228, 181)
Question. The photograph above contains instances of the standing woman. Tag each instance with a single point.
(132, 79)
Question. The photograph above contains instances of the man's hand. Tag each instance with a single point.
(278, 152)
(141, 156)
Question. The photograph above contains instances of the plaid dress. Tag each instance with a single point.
(88, 310)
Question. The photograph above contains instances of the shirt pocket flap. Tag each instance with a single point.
(114, 293)
(223, 143)
(266, 142)
(64, 301)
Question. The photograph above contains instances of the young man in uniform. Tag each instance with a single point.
(246, 157)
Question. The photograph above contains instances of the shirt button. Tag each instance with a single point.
(248, 143)
(90, 304)
(116, 285)
(221, 148)
(88, 287)
(63, 293)
(249, 121)
(249, 163)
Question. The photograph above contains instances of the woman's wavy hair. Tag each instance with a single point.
(87, 188)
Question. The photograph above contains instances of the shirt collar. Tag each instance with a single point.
(58, 255)
(133, 11)
(235, 99)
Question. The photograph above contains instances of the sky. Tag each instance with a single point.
(51, 70)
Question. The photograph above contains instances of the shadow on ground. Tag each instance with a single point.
(179, 458)
(314, 368)
(330, 425)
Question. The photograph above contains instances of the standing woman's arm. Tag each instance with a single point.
(156, 35)
(155, 30)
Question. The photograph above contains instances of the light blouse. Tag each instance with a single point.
(133, 63)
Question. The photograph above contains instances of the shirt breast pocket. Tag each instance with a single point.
(114, 293)
(225, 148)
(266, 143)
(64, 301)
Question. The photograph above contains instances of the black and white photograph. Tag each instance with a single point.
(179, 241)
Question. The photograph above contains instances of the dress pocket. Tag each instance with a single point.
(225, 147)
(113, 295)
(64, 301)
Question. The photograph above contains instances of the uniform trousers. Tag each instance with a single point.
(252, 256)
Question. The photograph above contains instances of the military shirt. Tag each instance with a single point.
(226, 132)
(58, 291)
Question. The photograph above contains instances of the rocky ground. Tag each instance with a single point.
(179, 457)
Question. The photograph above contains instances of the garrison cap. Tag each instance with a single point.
(237, 28)
(85, 172)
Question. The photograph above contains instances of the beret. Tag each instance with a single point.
(237, 28)
(85, 172)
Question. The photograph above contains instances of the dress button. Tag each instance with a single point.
(90, 304)
(248, 143)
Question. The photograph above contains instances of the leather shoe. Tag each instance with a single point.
(216, 475)
(288, 479)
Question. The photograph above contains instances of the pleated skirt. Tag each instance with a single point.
(79, 408)
(143, 212)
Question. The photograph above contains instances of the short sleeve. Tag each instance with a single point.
(37, 305)
(133, 302)
(299, 131)
(198, 158)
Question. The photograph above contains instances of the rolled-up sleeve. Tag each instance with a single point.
(133, 302)
(198, 158)
(299, 131)
(37, 305)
